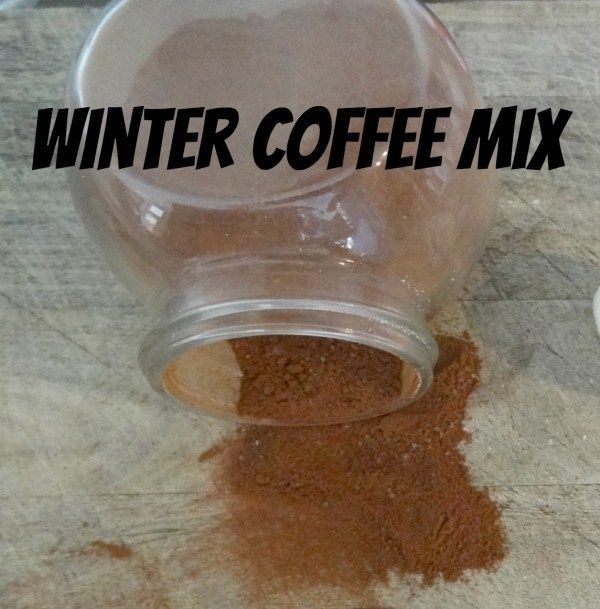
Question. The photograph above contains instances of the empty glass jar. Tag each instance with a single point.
(216, 253)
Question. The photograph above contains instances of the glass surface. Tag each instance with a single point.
(365, 255)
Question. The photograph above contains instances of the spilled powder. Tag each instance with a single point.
(112, 550)
(307, 379)
(145, 588)
(345, 506)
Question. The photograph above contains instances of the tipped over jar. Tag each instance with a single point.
(220, 254)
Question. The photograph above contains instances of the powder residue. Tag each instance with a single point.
(346, 505)
(214, 451)
(113, 550)
(307, 379)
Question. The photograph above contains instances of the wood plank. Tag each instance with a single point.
(87, 452)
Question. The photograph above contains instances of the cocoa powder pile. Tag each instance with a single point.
(306, 379)
(347, 505)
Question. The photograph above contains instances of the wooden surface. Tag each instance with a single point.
(86, 452)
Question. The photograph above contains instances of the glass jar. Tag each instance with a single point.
(363, 255)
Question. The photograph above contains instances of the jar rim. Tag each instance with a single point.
(402, 333)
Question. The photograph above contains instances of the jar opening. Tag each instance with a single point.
(291, 380)
(295, 367)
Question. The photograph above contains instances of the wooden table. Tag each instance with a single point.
(86, 452)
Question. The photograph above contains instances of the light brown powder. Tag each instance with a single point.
(346, 505)
(112, 550)
(307, 379)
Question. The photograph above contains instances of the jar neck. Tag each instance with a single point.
(403, 333)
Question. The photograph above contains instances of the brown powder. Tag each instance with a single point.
(212, 452)
(297, 378)
(347, 505)
(113, 550)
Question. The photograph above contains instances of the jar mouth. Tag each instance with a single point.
(197, 359)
